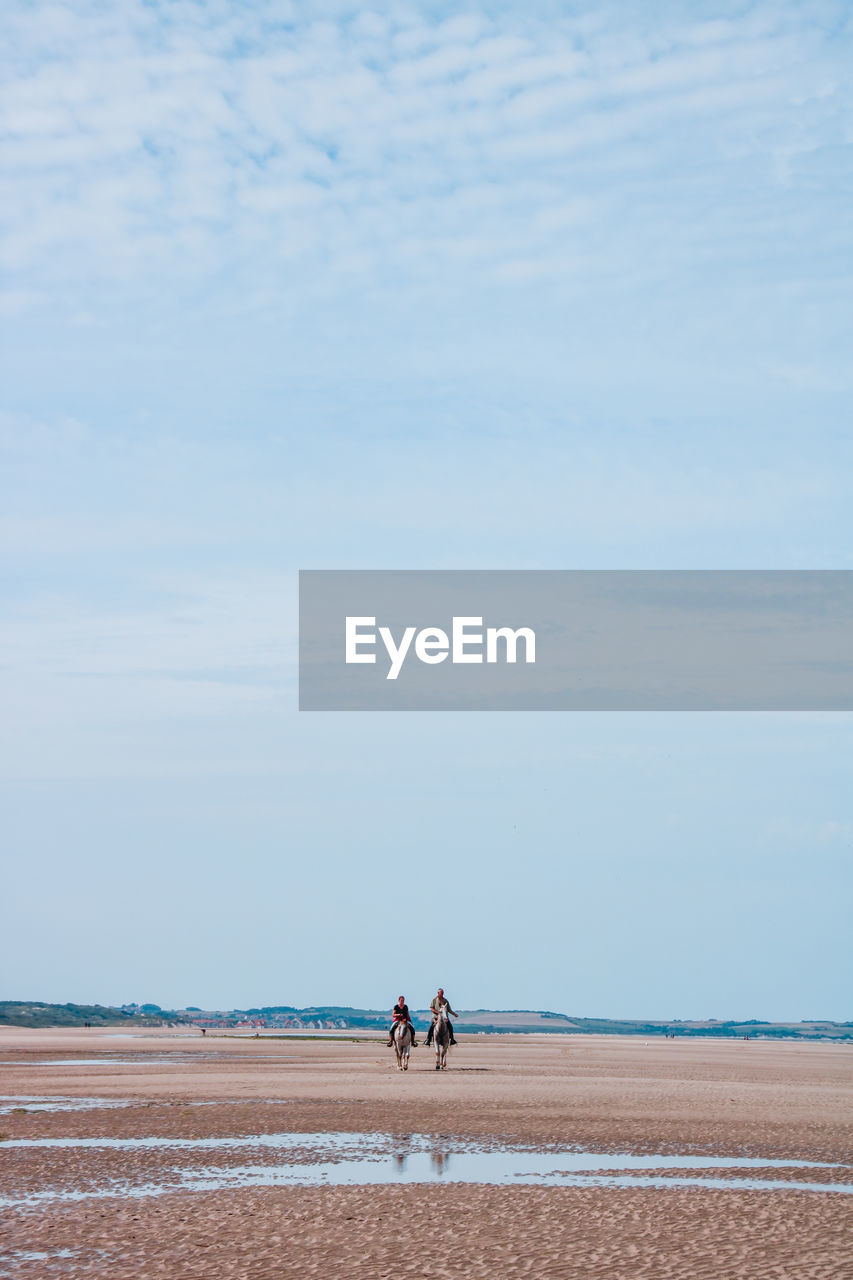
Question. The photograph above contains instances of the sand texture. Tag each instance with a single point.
(752, 1099)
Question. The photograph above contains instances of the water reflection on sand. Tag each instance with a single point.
(359, 1159)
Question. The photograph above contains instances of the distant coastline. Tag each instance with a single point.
(32, 1013)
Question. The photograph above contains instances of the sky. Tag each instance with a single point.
(412, 286)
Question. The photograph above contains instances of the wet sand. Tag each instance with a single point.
(605, 1094)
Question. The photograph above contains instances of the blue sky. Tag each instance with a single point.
(490, 286)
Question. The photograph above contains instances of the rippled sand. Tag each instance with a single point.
(739, 1099)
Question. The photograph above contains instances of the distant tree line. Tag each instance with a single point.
(33, 1013)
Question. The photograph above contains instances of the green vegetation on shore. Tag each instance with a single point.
(288, 1018)
(35, 1013)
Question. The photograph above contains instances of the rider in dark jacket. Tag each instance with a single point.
(400, 1013)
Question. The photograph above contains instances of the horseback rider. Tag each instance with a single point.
(400, 1013)
(436, 1004)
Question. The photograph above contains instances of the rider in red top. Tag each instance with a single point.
(400, 1013)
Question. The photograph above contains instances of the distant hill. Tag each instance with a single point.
(284, 1018)
(525, 1021)
(34, 1013)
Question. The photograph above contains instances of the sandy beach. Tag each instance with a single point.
(175, 1145)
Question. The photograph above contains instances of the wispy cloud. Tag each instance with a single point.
(493, 285)
(490, 282)
(144, 139)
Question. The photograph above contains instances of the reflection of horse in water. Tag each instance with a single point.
(441, 1039)
(402, 1044)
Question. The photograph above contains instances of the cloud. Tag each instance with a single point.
(485, 287)
(419, 285)
(159, 142)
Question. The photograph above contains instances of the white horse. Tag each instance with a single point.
(441, 1039)
(403, 1038)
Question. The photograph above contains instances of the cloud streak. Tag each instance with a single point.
(142, 140)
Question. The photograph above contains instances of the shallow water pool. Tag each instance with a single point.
(360, 1159)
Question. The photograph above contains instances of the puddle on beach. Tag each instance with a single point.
(107, 1061)
(359, 1159)
(142, 1059)
(99, 1061)
(9, 1104)
(35, 1255)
